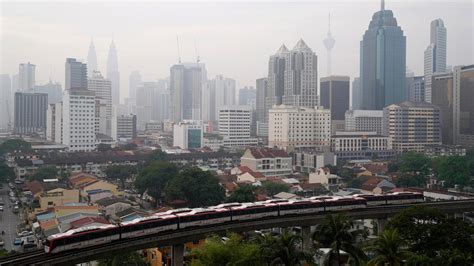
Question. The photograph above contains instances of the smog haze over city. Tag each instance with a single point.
(244, 132)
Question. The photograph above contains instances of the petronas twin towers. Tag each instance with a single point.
(113, 73)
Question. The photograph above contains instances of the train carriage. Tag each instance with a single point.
(82, 238)
(149, 225)
(300, 207)
(250, 211)
(203, 217)
(344, 203)
(404, 198)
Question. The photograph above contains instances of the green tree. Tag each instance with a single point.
(124, 259)
(336, 233)
(285, 249)
(415, 164)
(14, 145)
(198, 188)
(154, 177)
(129, 147)
(157, 155)
(429, 231)
(454, 170)
(44, 172)
(410, 180)
(6, 173)
(104, 147)
(121, 172)
(274, 188)
(388, 249)
(234, 251)
(244, 193)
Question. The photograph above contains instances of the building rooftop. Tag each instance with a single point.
(109, 201)
(88, 220)
(259, 153)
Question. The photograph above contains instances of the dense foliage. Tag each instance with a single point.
(244, 193)
(154, 178)
(45, 172)
(274, 188)
(123, 259)
(6, 173)
(121, 172)
(14, 145)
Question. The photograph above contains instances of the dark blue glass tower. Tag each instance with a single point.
(382, 62)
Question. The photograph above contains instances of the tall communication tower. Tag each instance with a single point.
(329, 44)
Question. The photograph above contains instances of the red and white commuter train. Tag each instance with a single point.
(179, 219)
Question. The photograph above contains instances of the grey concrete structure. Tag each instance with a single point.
(186, 91)
(26, 77)
(30, 113)
(76, 74)
(113, 73)
(435, 54)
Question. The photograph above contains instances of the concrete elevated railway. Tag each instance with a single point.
(177, 238)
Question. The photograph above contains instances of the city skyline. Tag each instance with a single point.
(200, 33)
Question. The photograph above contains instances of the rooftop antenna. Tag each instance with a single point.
(196, 51)
(382, 5)
(179, 54)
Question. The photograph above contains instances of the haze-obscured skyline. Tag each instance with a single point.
(233, 39)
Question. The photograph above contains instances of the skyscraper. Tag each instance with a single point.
(76, 74)
(91, 59)
(26, 76)
(382, 62)
(334, 92)
(276, 79)
(186, 91)
(103, 91)
(54, 91)
(6, 100)
(113, 73)
(135, 81)
(247, 96)
(435, 54)
(225, 92)
(30, 113)
(301, 77)
(261, 111)
(329, 44)
(356, 94)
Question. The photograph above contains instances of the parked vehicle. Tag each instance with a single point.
(17, 241)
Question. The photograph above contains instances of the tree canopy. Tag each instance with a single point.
(454, 170)
(44, 172)
(415, 163)
(13, 145)
(123, 259)
(198, 188)
(121, 172)
(154, 178)
(6, 173)
(274, 188)
(430, 232)
(244, 193)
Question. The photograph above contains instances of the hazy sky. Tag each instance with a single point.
(232, 38)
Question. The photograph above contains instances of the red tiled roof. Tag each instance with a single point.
(88, 220)
(259, 153)
(376, 168)
(245, 169)
(371, 183)
(230, 186)
(81, 179)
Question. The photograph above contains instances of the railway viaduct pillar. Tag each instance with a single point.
(306, 235)
(381, 225)
(177, 255)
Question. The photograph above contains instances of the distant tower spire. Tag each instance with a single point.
(382, 5)
(329, 44)
(179, 53)
(91, 59)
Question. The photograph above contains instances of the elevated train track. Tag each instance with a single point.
(178, 237)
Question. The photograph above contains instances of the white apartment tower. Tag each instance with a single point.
(435, 54)
(234, 126)
(103, 92)
(291, 128)
(364, 120)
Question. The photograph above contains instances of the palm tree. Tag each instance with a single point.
(388, 249)
(336, 233)
(285, 249)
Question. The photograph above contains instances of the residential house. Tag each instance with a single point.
(89, 221)
(86, 183)
(113, 205)
(246, 174)
(130, 214)
(323, 176)
(67, 209)
(268, 161)
(58, 196)
(377, 185)
(97, 194)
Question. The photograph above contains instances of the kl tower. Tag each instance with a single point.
(329, 44)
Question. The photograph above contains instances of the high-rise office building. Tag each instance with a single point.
(53, 89)
(435, 54)
(113, 73)
(6, 102)
(364, 121)
(356, 92)
(276, 79)
(261, 115)
(247, 96)
(334, 95)
(452, 93)
(225, 92)
(382, 62)
(124, 127)
(26, 77)
(416, 88)
(412, 126)
(188, 135)
(145, 97)
(76, 74)
(30, 113)
(135, 81)
(103, 92)
(301, 77)
(186, 91)
(91, 59)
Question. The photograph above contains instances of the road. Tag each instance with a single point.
(8, 221)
